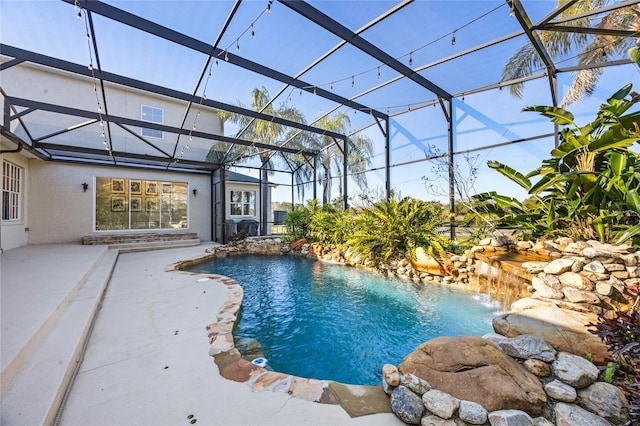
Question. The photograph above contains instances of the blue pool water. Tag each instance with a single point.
(333, 322)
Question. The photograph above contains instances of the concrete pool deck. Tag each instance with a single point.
(147, 357)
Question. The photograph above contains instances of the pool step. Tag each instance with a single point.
(43, 371)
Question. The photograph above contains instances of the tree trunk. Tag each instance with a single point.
(326, 182)
(264, 198)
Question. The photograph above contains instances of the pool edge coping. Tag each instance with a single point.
(356, 400)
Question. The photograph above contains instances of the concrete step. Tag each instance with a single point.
(34, 298)
(138, 237)
(36, 391)
(154, 245)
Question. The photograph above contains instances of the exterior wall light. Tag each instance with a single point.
(195, 191)
(85, 186)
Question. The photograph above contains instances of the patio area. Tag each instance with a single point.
(146, 360)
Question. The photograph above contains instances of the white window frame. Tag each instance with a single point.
(152, 115)
(242, 203)
(11, 192)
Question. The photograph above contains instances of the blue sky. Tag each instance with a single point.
(419, 34)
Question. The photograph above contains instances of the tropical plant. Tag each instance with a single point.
(593, 49)
(262, 131)
(621, 335)
(589, 188)
(324, 224)
(359, 150)
(330, 226)
(392, 229)
(298, 223)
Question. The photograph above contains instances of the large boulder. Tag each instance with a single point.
(424, 262)
(565, 330)
(297, 245)
(474, 369)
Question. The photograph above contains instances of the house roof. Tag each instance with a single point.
(237, 177)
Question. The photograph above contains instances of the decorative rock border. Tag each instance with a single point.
(584, 276)
(573, 394)
(594, 402)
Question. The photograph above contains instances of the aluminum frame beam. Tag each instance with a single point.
(526, 24)
(587, 30)
(43, 106)
(184, 40)
(334, 27)
(74, 68)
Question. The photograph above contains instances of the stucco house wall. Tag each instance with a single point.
(60, 210)
(42, 84)
(54, 206)
(14, 233)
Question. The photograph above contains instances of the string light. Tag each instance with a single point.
(238, 45)
(442, 37)
(353, 81)
(103, 135)
(453, 38)
(226, 56)
(253, 33)
(512, 11)
(269, 6)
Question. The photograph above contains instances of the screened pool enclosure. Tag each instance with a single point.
(340, 101)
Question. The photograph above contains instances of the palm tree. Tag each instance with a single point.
(593, 49)
(265, 132)
(359, 151)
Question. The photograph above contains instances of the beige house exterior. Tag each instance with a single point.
(50, 202)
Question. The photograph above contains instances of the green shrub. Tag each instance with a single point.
(297, 223)
(331, 226)
(588, 189)
(391, 229)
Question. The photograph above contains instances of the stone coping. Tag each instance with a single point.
(356, 400)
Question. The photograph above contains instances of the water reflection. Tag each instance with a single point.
(333, 322)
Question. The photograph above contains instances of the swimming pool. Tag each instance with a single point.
(332, 322)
